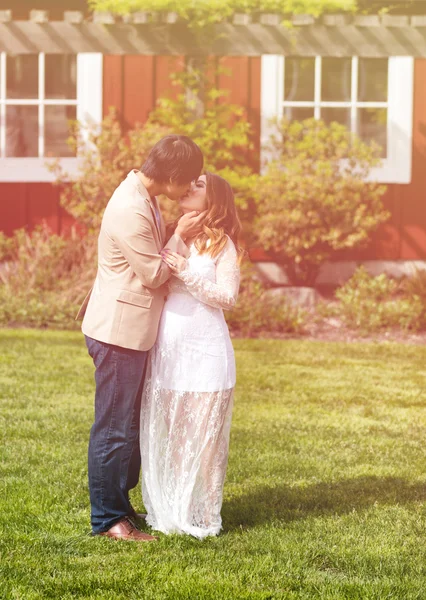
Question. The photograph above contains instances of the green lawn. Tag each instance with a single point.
(324, 497)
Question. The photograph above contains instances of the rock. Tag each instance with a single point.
(305, 297)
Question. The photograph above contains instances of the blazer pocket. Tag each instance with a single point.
(135, 299)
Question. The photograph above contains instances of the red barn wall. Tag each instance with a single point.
(133, 83)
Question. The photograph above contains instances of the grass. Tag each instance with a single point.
(324, 496)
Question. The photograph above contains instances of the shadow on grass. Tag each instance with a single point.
(287, 504)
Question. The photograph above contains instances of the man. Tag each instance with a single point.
(121, 317)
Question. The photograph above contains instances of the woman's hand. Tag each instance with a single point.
(174, 261)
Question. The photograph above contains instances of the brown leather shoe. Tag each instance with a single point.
(125, 530)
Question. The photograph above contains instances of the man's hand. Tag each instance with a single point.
(190, 224)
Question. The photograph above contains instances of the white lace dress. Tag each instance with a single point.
(187, 399)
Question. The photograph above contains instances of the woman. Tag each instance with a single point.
(188, 394)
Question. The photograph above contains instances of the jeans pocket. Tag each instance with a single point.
(97, 350)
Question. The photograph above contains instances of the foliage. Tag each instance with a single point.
(314, 199)
(108, 153)
(414, 288)
(44, 277)
(401, 7)
(106, 156)
(201, 13)
(371, 304)
(415, 285)
(258, 313)
(220, 129)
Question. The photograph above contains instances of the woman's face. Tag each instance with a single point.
(195, 198)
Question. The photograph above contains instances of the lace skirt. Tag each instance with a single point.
(186, 420)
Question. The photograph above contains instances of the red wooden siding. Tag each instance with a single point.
(412, 198)
(134, 83)
(404, 236)
(242, 79)
(29, 205)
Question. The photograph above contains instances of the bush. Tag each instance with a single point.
(43, 277)
(371, 304)
(256, 313)
(314, 199)
(414, 288)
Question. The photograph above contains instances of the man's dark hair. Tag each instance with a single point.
(174, 158)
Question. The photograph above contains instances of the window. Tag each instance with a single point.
(39, 95)
(373, 97)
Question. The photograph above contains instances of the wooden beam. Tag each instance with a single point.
(227, 39)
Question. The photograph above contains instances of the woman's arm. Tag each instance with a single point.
(220, 294)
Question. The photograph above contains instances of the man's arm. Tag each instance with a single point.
(134, 236)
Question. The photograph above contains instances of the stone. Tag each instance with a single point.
(272, 273)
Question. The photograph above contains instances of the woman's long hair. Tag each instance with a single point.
(221, 219)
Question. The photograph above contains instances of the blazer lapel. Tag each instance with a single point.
(153, 205)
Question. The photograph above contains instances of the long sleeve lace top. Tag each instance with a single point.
(216, 287)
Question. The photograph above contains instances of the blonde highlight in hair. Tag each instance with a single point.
(221, 219)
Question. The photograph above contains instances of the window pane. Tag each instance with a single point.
(22, 76)
(373, 80)
(299, 80)
(372, 126)
(297, 113)
(340, 115)
(336, 79)
(21, 131)
(57, 130)
(61, 72)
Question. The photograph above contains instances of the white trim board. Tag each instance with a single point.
(89, 113)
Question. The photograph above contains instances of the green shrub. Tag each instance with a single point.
(314, 199)
(36, 309)
(257, 313)
(371, 304)
(414, 288)
(43, 277)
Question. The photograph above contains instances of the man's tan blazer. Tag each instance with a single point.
(125, 303)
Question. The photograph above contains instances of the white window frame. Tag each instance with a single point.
(396, 167)
(89, 112)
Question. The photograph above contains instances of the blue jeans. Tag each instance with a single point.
(114, 454)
